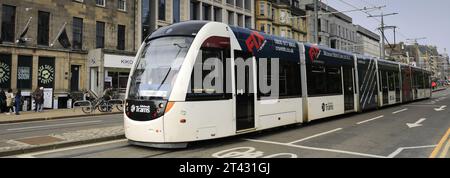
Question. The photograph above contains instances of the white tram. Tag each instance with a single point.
(166, 108)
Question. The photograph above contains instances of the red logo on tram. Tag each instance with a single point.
(314, 53)
(255, 40)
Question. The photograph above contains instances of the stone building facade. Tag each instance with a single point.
(281, 18)
(152, 14)
(33, 62)
(335, 29)
(367, 42)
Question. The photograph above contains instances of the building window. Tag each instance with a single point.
(43, 28)
(121, 37)
(122, 5)
(101, 3)
(24, 72)
(162, 10)
(248, 5)
(262, 28)
(77, 33)
(217, 14)
(230, 18)
(206, 12)
(240, 20)
(194, 10)
(100, 35)
(176, 11)
(262, 6)
(248, 22)
(145, 18)
(8, 23)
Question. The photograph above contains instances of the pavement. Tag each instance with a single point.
(26, 137)
(48, 115)
(414, 130)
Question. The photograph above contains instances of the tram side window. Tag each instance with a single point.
(420, 82)
(290, 85)
(202, 90)
(317, 78)
(391, 81)
(334, 82)
(384, 81)
(289, 79)
(397, 81)
(427, 81)
(324, 80)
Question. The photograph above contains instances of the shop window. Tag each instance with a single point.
(24, 72)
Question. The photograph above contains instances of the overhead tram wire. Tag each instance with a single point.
(351, 5)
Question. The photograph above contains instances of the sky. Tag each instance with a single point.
(416, 19)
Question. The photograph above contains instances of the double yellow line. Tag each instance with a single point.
(441, 148)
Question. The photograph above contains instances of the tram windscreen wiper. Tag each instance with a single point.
(170, 69)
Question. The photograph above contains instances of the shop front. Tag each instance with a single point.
(109, 69)
(27, 69)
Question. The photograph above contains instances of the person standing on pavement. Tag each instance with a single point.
(9, 102)
(37, 96)
(2, 101)
(41, 93)
(18, 101)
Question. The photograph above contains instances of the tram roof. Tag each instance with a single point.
(188, 28)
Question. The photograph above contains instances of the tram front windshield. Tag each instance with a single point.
(157, 67)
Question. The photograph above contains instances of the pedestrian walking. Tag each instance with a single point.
(2, 101)
(18, 101)
(9, 102)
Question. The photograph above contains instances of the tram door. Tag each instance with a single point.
(349, 97)
(245, 98)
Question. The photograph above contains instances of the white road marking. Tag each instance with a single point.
(399, 150)
(46, 126)
(441, 108)
(248, 152)
(362, 122)
(417, 124)
(33, 155)
(317, 135)
(399, 111)
(318, 149)
(422, 105)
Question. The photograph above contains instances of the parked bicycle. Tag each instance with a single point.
(90, 104)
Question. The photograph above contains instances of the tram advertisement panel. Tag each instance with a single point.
(266, 46)
(315, 54)
(5, 71)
